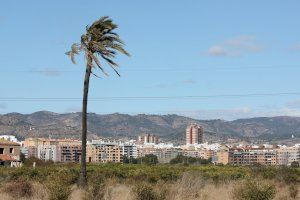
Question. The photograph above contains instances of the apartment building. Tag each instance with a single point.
(194, 134)
(103, 152)
(57, 150)
(166, 155)
(69, 153)
(30, 151)
(148, 138)
(287, 155)
(129, 150)
(29, 142)
(252, 156)
(221, 157)
(199, 153)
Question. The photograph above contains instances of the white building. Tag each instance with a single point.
(129, 150)
(47, 153)
(287, 155)
(11, 138)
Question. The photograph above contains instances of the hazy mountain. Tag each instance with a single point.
(171, 127)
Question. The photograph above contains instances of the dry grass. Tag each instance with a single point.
(38, 193)
(77, 194)
(284, 192)
(189, 187)
(19, 188)
(118, 191)
(193, 187)
(110, 190)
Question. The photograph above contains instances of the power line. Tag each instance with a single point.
(257, 67)
(143, 98)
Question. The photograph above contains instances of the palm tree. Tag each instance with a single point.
(99, 41)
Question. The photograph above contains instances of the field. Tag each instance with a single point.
(150, 182)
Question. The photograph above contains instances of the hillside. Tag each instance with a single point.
(170, 127)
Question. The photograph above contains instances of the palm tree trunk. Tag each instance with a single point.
(83, 176)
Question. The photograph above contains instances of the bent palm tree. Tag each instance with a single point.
(99, 41)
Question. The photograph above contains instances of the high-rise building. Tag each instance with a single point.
(148, 138)
(194, 134)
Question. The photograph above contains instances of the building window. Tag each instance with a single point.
(1, 150)
(11, 150)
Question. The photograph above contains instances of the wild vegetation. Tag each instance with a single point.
(150, 182)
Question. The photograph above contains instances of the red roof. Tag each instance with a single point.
(4, 157)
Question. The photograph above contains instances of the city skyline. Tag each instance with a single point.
(230, 63)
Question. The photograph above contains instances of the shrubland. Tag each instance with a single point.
(150, 181)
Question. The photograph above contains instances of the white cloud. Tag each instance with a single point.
(293, 104)
(237, 46)
(247, 43)
(217, 51)
(238, 113)
(226, 114)
(73, 109)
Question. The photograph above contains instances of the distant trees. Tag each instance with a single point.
(127, 160)
(295, 164)
(149, 159)
(180, 159)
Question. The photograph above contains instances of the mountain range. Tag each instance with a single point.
(167, 127)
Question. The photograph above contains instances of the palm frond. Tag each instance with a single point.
(120, 49)
(75, 49)
(100, 40)
(96, 60)
(112, 64)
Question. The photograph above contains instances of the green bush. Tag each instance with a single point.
(96, 186)
(295, 164)
(254, 190)
(145, 191)
(59, 185)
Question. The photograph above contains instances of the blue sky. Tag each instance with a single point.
(179, 48)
